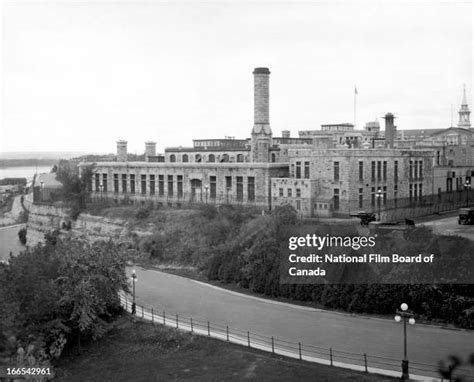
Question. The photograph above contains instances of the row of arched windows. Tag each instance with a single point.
(210, 159)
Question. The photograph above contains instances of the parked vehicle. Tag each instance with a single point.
(365, 217)
(466, 216)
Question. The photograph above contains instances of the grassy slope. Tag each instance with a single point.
(142, 352)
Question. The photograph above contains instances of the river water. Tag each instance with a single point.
(23, 171)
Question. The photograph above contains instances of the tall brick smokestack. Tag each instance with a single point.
(261, 93)
(390, 130)
(121, 151)
(261, 133)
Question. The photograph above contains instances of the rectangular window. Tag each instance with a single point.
(361, 171)
(306, 170)
(410, 192)
(411, 170)
(180, 186)
(228, 183)
(97, 182)
(373, 171)
(372, 196)
(395, 194)
(290, 192)
(420, 171)
(298, 205)
(384, 195)
(213, 183)
(298, 170)
(298, 192)
(420, 192)
(152, 184)
(170, 185)
(161, 185)
(415, 192)
(280, 192)
(116, 183)
(384, 170)
(379, 170)
(336, 198)
(143, 184)
(336, 171)
(132, 183)
(250, 188)
(240, 188)
(395, 171)
(124, 183)
(361, 197)
(416, 169)
(104, 182)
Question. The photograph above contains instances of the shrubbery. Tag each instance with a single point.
(234, 245)
(52, 296)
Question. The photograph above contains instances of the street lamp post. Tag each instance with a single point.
(467, 187)
(379, 199)
(207, 189)
(405, 315)
(134, 280)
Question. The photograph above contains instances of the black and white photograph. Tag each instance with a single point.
(261, 190)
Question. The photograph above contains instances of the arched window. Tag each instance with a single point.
(212, 158)
(197, 158)
(172, 158)
(225, 158)
(240, 157)
(185, 158)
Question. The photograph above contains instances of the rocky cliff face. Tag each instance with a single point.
(45, 218)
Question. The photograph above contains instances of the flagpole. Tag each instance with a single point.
(355, 96)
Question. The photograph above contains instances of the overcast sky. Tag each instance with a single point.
(79, 75)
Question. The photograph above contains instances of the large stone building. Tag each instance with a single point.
(333, 171)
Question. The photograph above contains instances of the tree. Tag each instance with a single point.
(76, 187)
(55, 293)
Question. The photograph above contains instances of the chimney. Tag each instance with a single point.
(261, 96)
(150, 150)
(121, 151)
(390, 130)
(285, 133)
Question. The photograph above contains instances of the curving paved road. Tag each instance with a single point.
(9, 241)
(450, 226)
(426, 344)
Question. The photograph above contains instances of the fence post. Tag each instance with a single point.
(227, 332)
(273, 346)
(152, 318)
(142, 312)
(330, 355)
(299, 348)
(208, 329)
(164, 318)
(177, 321)
(191, 324)
(248, 338)
(365, 362)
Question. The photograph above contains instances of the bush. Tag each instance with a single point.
(143, 213)
(22, 236)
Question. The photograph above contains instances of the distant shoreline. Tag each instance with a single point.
(4, 163)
